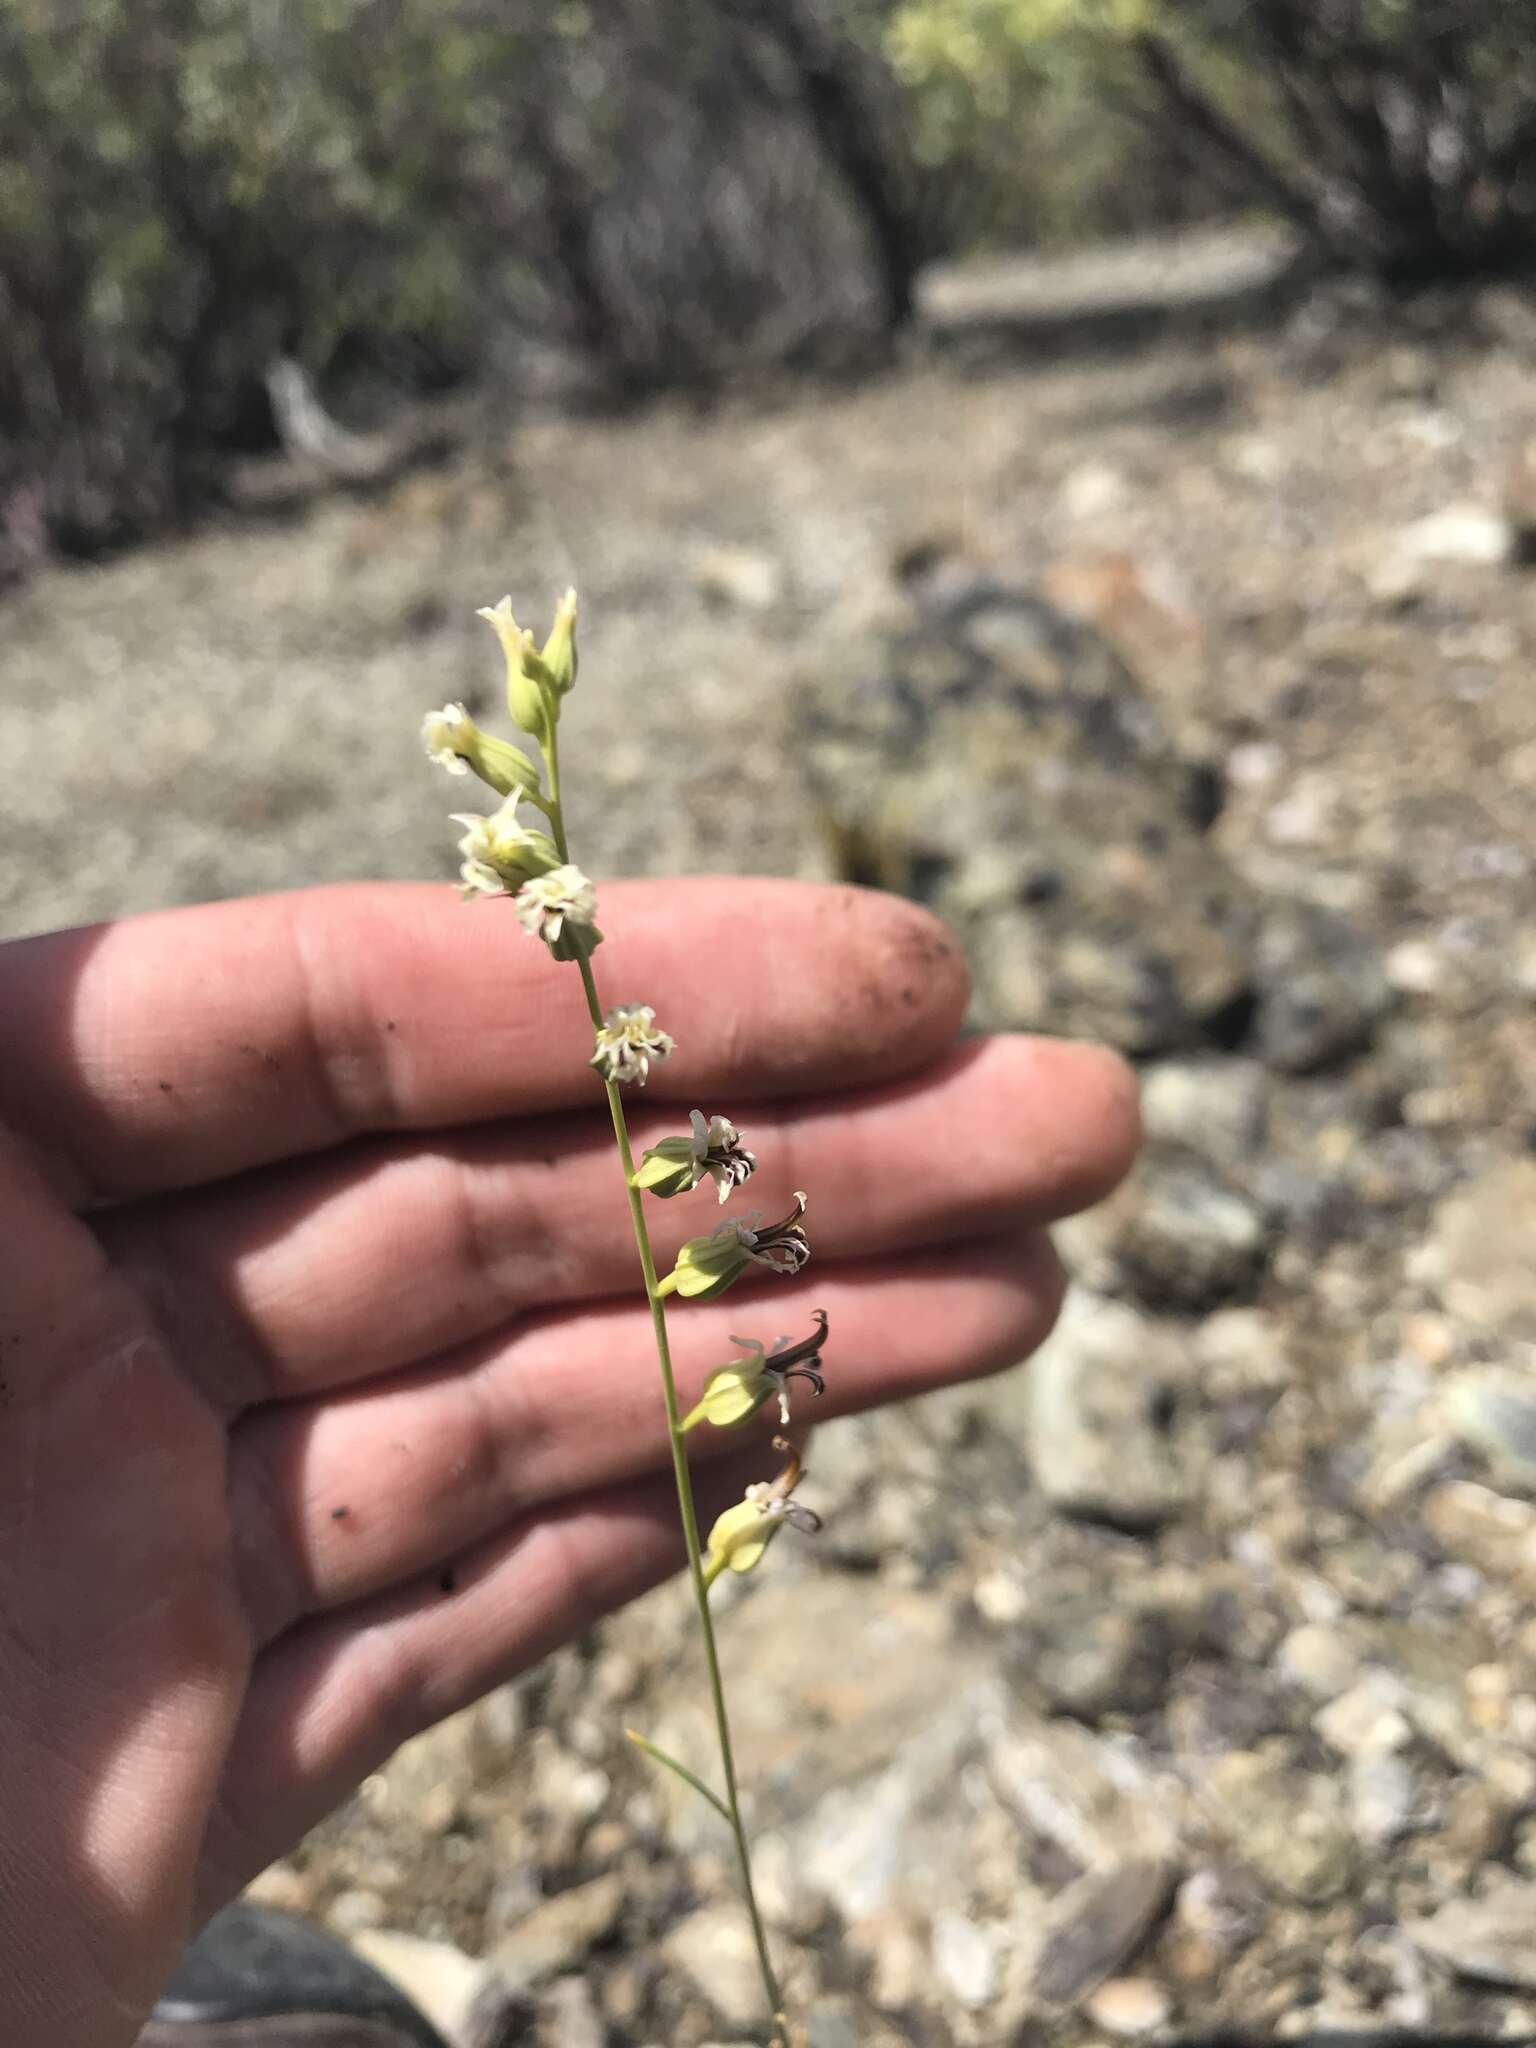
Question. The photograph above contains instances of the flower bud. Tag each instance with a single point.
(559, 650)
(531, 696)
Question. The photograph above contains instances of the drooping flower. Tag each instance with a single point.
(741, 1535)
(706, 1266)
(560, 907)
(714, 1149)
(501, 853)
(454, 741)
(629, 1044)
(734, 1393)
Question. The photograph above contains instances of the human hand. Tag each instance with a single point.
(317, 1297)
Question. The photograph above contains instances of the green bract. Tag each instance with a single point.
(706, 1266)
(670, 1168)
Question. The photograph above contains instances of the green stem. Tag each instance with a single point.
(700, 1578)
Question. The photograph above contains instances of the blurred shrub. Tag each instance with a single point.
(1396, 135)
(1025, 115)
(423, 188)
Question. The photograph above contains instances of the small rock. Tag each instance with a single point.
(965, 1955)
(1239, 1353)
(354, 1909)
(1487, 1941)
(1479, 1253)
(713, 1949)
(829, 2027)
(1095, 1925)
(1366, 1720)
(1098, 1417)
(556, 1935)
(1091, 1660)
(1221, 1908)
(739, 576)
(571, 2017)
(1214, 1107)
(1320, 1660)
(1381, 1798)
(1458, 533)
(438, 1978)
(1492, 1409)
(1285, 1823)
(1493, 1534)
(1188, 1239)
(1322, 990)
(1091, 1798)
(1091, 489)
(1127, 2006)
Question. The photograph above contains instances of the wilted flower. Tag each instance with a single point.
(678, 1164)
(500, 853)
(744, 1532)
(454, 741)
(733, 1393)
(706, 1266)
(560, 907)
(629, 1044)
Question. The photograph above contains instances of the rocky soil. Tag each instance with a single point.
(1186, 1679)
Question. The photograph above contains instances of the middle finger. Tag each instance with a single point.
(296, 1280)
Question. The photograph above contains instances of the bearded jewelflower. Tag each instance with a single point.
(560, 907)
(501, 853)
(629, 1044)
(706, 1266)
(454, 741)
(744, 1532)
(714, 1149)
(733, 1393)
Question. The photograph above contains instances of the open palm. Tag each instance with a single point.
(326, 1391)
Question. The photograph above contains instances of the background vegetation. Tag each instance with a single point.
(413, 192)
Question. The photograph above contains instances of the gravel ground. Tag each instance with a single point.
(1187, 1680)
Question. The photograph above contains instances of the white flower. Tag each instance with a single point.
(557, 907)
(733, 1393)
(741, 1535)
(706, 1266)
(718, 1149)
(500, 852)
(713, 1148)
(447, 736)
(629, 1044)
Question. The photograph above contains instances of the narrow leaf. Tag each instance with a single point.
(679, 1770)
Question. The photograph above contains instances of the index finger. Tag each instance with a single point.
(172, 1049)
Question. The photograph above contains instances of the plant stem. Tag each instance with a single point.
(680, 1470)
